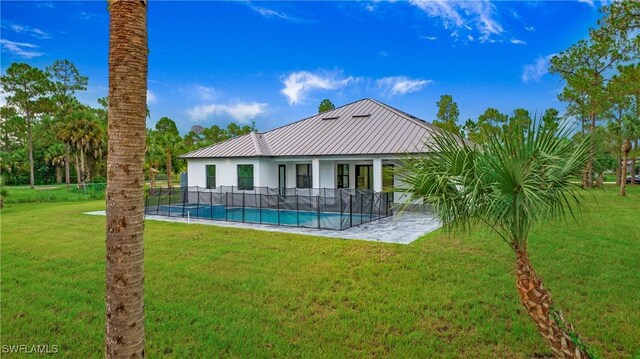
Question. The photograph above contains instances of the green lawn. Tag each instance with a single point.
(54, 193)
(214, 291)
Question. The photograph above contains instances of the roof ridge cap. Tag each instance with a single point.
(256, 146)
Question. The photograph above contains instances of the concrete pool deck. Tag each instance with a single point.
(401, 229)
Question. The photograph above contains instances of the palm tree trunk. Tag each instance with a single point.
(618, 169)
(592, 152)
(78, 174)
(537, 301)
(83, 168)
(67, 171)
(169, 170)
(626, 147)
(583, 125)
(152, 176)
(32, 180)
(128, 58)
(58, 174)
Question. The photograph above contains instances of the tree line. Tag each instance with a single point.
(48, 136)
(602, 93)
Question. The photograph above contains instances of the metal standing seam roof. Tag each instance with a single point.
(365, 127)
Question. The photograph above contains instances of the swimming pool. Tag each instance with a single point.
(335, 209)
(282, 217)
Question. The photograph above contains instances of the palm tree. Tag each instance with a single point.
(55, 155)
(128, 61)
(64, 133)
(152, 158)
(515, 179)
(85, 134)
(171, 144)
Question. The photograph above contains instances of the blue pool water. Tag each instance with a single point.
(329, 220)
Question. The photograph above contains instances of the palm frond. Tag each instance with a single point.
(513, 180)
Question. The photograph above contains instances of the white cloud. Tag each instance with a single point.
(265, 12)
(151, 97)
(535, 71)
(401, 85)
(47, 4)
(83, 15)
(588, 2)
(439, 8)
(20, 48)
(470, 38)
(430, 38)
(517, 42)
(205, 93)
(298, 84)
(28, 30)
(369, 6)
(530, 28)
(270, 13)
(463, 15)
(242, 112)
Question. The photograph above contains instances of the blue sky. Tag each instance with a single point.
(273, 62)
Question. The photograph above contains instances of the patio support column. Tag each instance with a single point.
(315, 172)
(377, 174)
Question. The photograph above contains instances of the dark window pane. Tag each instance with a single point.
(343, 176)
(211, 176)
(245, 177)
(303, 176)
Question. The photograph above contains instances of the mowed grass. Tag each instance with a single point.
(55, 193)
(224, 292)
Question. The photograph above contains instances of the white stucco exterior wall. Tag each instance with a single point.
(327, 175)
(226, 171)
(266, 171)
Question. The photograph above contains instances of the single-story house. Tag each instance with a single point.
(347, 147)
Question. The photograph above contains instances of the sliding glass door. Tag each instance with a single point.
(364, 176)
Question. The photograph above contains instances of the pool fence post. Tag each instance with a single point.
(341, 210)
(318, 208)
(198, 202)
(226, 205)
(170, 194)
(350, 210)
(184, 199)
(373, 194)
(361, 208)
(159, 197)
(278, 206)
(297, 210)
(211, 204)
(243, 206)
(386, 207)
(260, 208)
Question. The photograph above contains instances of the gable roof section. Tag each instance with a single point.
(362, 127)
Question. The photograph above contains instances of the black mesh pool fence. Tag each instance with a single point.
(323, 208)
